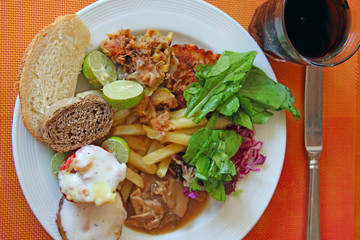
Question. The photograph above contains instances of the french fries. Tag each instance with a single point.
(126, 189)
(179, 138)
(183, 122)
(137, 143)
(120, 116)
(164, 164)
(134, 177)
(131, 129)
(135, 159)
(221, 123)
(131, 119)
(147, 152)
(163, 153)
(178, 114)
(120, 185)
(188, 131)
(155, 145)
(163, 167)
(154, 134)
(173, 137)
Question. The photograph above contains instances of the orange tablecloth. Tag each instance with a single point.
(285, 217)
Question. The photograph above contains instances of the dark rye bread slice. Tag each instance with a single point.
(74, 122)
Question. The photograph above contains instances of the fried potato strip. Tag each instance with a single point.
(163, 153)
(135, 159)
(134, 177)
(131, 129)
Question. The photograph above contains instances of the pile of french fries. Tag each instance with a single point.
(151, 150)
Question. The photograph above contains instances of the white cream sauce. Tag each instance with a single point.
(86, 221)
(96, 177)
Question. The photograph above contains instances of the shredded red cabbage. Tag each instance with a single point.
(192, 194)
(246, 158)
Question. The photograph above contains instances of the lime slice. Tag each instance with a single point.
(118, 147)
(56, 162)
(123, 94)
(90, 92)
(98, 69)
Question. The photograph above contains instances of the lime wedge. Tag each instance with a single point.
(98, 69)
(118, 147)
(123, 94)
(56, 162)
(90, 92)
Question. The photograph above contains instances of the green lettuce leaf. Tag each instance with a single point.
(267, 94)
(257, 96)
(217, 83)
(210, 151)
(229, 107)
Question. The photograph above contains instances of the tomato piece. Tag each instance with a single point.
(68, 160)
(65, 165)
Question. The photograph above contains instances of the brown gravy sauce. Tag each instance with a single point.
(195, 208)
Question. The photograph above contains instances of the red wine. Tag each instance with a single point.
(316, 27)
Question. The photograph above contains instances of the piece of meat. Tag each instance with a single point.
(137, 201)
(162, 121)
(176, 201)
(144, 58)
(189, 57)
(145, 110)
(192, 56)
(160, 202)
(147, 212)
(152, 215)
(162, 98)
(149, 60)
(117, 47)
(146, 71)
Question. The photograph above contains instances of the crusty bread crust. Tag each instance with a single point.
(74, 122)
(50, 67)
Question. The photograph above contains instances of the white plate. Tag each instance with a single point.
(194, 22)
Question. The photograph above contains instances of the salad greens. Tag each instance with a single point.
(235, 88)
(210, 152)
(260, 93)
(217, 83)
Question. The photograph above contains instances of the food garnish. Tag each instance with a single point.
(123, 94)
(89, 92)
(117, 146)
(56, 161)
(98, 69)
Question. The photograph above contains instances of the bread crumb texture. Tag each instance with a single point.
(76, 124)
